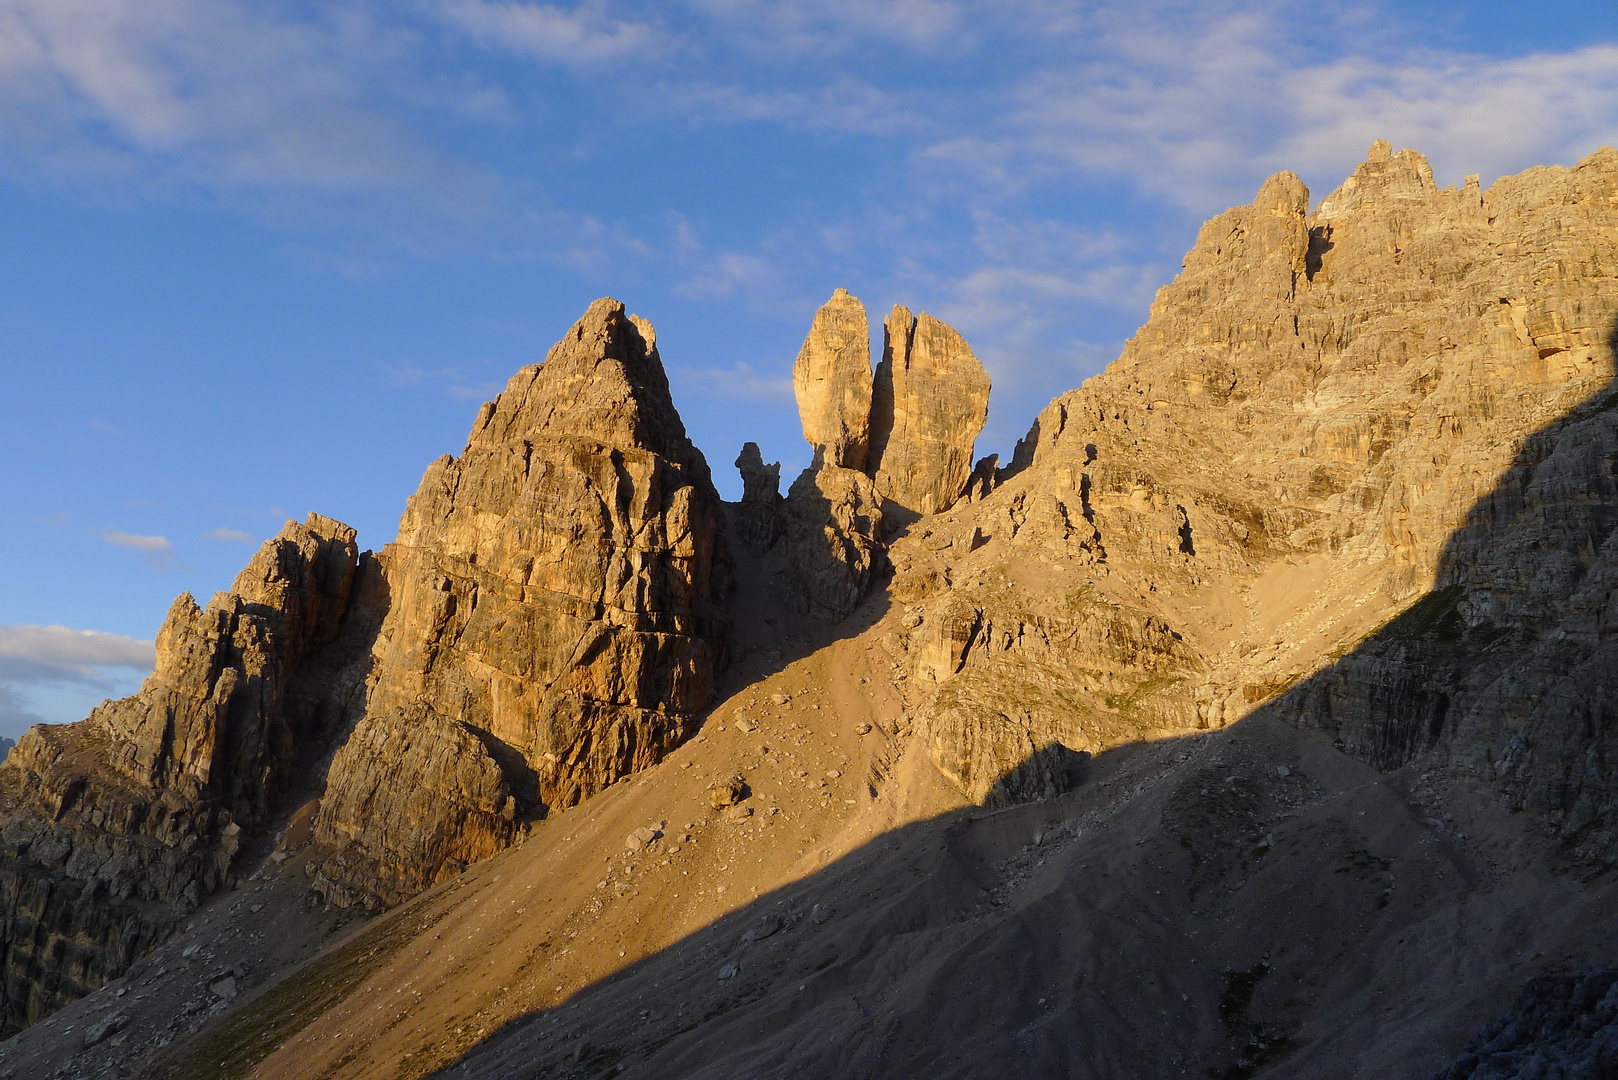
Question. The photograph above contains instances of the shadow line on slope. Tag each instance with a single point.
(948, 914)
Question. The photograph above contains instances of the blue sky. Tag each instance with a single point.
(258, 259)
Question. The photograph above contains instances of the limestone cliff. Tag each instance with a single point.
(899, 445)
(557, 616)
(929, 403)
(116, 826)
(1395, 408)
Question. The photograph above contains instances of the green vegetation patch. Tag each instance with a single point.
(1435, 617)
(1125, 702)
(1257, 1043)
(234, 1045)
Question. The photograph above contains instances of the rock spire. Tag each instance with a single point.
(832, 381)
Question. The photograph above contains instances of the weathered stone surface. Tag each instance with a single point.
(1328, 417)
(832, 381)
(759, 518)
(557, 617)
(1560, 1025)
(116, 826)
(833, 541)
(929, 403)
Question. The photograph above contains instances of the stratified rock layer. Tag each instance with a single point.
(929, 403)
(557, 616)
(1357, 467)
(116, 826)
(832, 381)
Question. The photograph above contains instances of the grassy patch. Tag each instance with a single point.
(1257, 1043)
(1253, 693)
(232, 1047)
(1435, 617)
(1127, 701)
(1362, 863)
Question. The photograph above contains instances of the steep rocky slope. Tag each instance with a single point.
(1254, 720)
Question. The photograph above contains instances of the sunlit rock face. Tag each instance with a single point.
(929, 404)
(556, 618)
(1327, 416)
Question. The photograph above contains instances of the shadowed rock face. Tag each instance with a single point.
(557, 617)
(833, 541)
(116, 826)
(759, 518)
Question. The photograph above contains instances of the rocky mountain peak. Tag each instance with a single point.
(603, 380)
(1384, 177)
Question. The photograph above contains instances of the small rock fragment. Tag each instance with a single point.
(641, 837)
(225, 988)
(107, 1025)
(727, 792)
(1283, 771)
(780, 699)
(819, 914)
(729, 971)
(744, 725)
(862, 729)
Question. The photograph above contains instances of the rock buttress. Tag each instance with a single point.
(557, 618)
(116, 826)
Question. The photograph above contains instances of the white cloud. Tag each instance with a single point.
(1197, 110)
(584, 35)
(842, 103)
(56, 674)
(832, 26)
(235, 535)
(139, 543)
(288, 112)
(738, 382)
(74, 650)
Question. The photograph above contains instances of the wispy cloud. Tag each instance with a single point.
(103, 426)
(138, 542)
(738, 382)
(233, 535)
(584, 35)
(67, 670)
(253, 101)
(455, 383)
(75, 651)
(158, 550)
(1195, 109)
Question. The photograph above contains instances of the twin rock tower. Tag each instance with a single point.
(891, 446)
